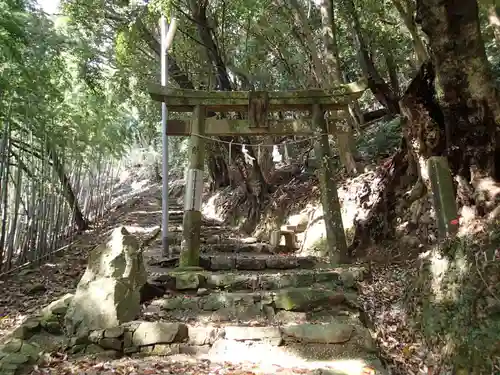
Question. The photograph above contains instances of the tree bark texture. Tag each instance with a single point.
(470, 101)
(406, 10)
(460, 122)
(376, 83)
(256, 192)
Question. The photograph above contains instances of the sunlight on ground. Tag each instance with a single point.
(132, 188)
(210, 208)
(470, 223)
(267, 357)
(440, 267)
(7, 322)
(316, 229)
(138, 229)
(139, 185)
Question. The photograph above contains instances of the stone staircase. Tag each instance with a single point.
(250, 304)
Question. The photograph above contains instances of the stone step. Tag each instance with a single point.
(176, 215)
(339, 347)
(241, 261)
(315, 302)
(346, 277)
(223, 247)
(254, 313)
(235, 247)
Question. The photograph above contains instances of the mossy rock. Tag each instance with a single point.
(76, 349)
(32, 350)
(48, 342)
(16, 353)
(27, 329)
(301, 299)
(12, 346)
(58, 307)
(177, 303)
(15, 359)
(52, 324)
(94, 349)
(188, 280)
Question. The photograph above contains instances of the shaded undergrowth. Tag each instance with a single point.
(454, 303)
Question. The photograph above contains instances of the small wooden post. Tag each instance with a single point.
(335, 236)
(190, 246)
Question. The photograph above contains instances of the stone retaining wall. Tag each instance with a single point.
(164, 338)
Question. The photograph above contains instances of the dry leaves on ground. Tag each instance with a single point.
(61, 365)
(383, 302)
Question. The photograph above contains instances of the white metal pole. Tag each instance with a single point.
(164, 115)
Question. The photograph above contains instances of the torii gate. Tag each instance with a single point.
(257, 104)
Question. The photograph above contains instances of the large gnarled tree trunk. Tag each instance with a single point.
(470, 102)
(462, 122)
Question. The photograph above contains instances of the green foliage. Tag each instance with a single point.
(320, 246)
(54, 88)
(161, 7)
(382, 139)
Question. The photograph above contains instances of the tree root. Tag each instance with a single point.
(377, 224)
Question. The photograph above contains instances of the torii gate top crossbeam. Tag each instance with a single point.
(179, 100)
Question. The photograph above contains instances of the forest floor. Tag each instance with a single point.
(26, 291)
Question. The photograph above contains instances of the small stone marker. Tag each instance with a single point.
(443, 193)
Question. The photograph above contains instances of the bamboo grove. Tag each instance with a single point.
(61, 134)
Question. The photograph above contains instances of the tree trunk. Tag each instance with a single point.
(322, 69)
(345, 139)
(199, 13)
(80, 221)
(406, 10)
(217, 167)
(376, 83)
(392, 69)
(301, 19)
(470, 102)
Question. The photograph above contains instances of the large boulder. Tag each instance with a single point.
(109, 292)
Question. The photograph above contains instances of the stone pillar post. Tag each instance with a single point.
(443, 194)
(190, 247)
(337, 246)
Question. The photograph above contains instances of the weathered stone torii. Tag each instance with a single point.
(257, 104)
